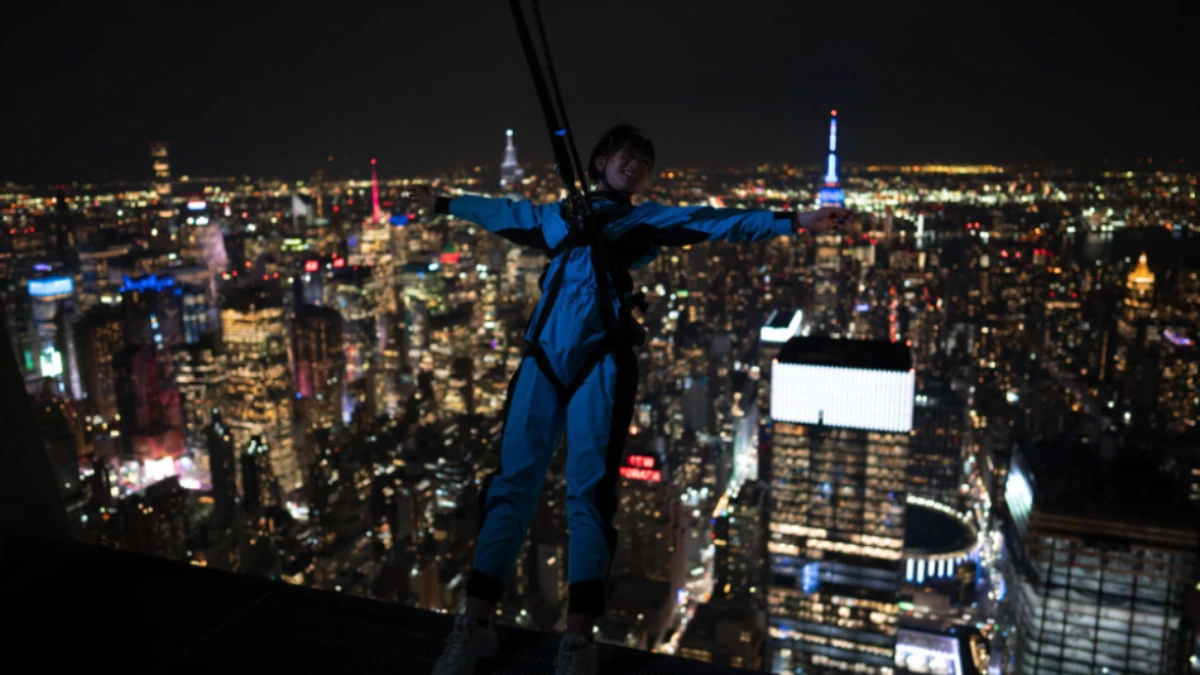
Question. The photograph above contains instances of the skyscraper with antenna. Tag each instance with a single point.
(831, 194)
(510, 171)
(162, 179)
(375, 212)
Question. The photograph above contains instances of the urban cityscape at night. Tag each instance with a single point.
(959, 433)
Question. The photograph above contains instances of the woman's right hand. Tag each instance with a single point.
(422, 195)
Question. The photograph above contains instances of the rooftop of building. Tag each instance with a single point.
(253, 296)
(863, 354)
(780, 319)
(1073, 478)
(703, 626)
(317, 312)
(175, 618)
(938, 394)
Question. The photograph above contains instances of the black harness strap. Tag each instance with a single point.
(623, 329)
(577, 213)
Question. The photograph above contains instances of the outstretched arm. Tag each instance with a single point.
(522, 222)
(680, 226)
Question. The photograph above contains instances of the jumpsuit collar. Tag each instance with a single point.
(611, 196)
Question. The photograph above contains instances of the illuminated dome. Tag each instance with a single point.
(1141, 279)
(937, 540)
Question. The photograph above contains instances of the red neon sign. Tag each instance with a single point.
(339, 263)
(640, 461)
(633, 473)
(312, 265)
(451, 258)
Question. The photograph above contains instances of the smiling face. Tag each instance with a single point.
(624, 171)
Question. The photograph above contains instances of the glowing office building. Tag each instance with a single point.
(842, 412)
(261, 395)
(52, 300)
(320, 366)
(162, 179)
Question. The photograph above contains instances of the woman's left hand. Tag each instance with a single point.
(822, 220)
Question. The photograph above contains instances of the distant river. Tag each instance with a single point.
(1161, 246)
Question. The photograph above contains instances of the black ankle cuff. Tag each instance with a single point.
(485, 587)
(586, 597)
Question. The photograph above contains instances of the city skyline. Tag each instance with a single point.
(960, 435)
(271, 94)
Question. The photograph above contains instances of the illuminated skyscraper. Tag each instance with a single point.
(196, 312)
(149, 404)
(1139, 286)
(935, 468)
(843, 411)
(1135, 332)
(259, 487)
(203, 381)
(320, 365)
(647, 519)
(739, 546)
(52, 300)
(831, 194)
(376, 212)
(825, 316)
(352, 292)
(510, 171)
(162, 179)
(775, 332)
(153, 311)
(100, 340)
(94, 263)
(1179, 389)
(1102, 559)
(261, 395)
(155, 520)
(727, 635)
(219, 443)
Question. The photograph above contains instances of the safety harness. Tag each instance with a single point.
(621, 329)
(613, 284)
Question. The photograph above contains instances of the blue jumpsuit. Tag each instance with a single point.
(575, 377)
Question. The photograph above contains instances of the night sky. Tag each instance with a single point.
(274, 88)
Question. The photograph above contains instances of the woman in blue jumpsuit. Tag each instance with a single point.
(579, 376)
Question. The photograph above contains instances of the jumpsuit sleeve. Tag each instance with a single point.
(682, 225)
(521, 222)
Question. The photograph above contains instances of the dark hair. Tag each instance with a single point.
(617, 138)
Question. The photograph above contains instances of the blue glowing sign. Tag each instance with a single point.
(398, 219)
(151, 282)
(41, 267)
(48, 286)
(862, 307)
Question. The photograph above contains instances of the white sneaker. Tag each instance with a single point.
(576, 656)
(465, 646)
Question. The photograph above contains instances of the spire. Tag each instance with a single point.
(831, 194)
(510, 171)
(374, 193)
(831, 177)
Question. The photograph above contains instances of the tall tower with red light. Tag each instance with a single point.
(375, 212)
